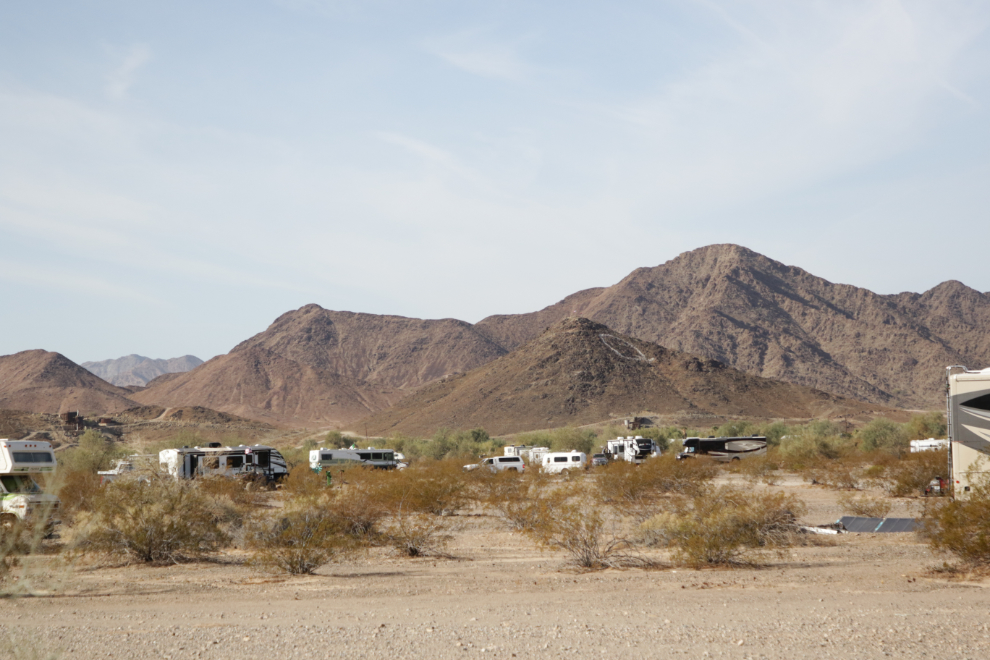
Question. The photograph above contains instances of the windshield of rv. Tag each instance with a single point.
(19, 483)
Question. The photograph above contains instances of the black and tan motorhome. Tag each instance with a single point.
(968, 416)
(725, 449)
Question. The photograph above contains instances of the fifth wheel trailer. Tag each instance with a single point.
(968, 417)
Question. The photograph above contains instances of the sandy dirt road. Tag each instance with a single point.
(866, 596)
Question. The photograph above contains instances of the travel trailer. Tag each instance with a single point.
(634, 449)
(724, 449)
(968, 417)
(532, 455)
(21, 498)
(339, 459)
(214, 460)
(140, 463)
(559, 462)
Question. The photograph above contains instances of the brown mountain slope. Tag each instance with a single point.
(259, 384)
(579, 372)
(389, 350)
(45, 382)
(314, 365)
(736, 306)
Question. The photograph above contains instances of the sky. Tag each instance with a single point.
(175, 175)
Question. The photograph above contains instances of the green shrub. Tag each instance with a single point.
(93, 452)
(910, 474)
(725, 526)
(883, 435)
(926, 425)
(300, 539)
(960, 527)
(157, 520)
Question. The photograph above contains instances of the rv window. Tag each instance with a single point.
(33, 457)
(263, 457)
(389, 456)
(234, 462)
(576, 459)
(559, 459)
(326, 457)
(364, 455)
(377, 456)
(19, 483)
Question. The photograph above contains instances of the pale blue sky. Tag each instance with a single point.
(175, 175)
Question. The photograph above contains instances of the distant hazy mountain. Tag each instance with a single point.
(138, 370)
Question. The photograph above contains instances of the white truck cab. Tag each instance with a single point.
(21, 498)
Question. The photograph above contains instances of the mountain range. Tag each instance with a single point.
(139, 370)
(721, 304)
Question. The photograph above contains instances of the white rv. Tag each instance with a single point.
(339, 459)
(725, 449)
(968, 403)
(532, 455)
(214, 460)
(931, 444)
(634, 449)
(560, 462)
(21, 498)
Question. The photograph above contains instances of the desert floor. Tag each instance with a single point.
(866, 596)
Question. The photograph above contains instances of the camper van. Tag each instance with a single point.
(21, 498)
(968, 419)
(214, 460)
(339, 459)
(634, 449)
(724, 449)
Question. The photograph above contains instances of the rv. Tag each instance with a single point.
(340, 459)
(634, 449)
(21, 498)
(532, 455)
(142, 463)
(214, 460)
(724, 449)
(560, 462)
(931, 444)
(968, 417)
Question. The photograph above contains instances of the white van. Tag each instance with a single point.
(559, 462)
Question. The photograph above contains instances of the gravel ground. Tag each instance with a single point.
(866, 596)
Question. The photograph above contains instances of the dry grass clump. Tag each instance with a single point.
(155, 520)
(960, 527)
(725, 526)
(908, 475)
(78, 487)
(870, 507)
(418, 534)
(299, 540)
(634, 489)
(760, 469)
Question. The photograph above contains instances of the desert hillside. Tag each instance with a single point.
(46, 382)
(731, 304)
(578, 372)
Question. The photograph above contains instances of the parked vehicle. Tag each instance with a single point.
(598, 460)
(931, 444)
(531, 455)
(634, 449)
(969, 428)
(499, 463)
(214, 460)
(21, 498)
(559, 462)
(724, 449)
(340, 459)
(126, 466)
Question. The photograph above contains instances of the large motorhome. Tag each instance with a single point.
(532, 455)
(21, 498)
(340, 459)
(214, 460)
(968, 416)
(634, 449)
(725, 449)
